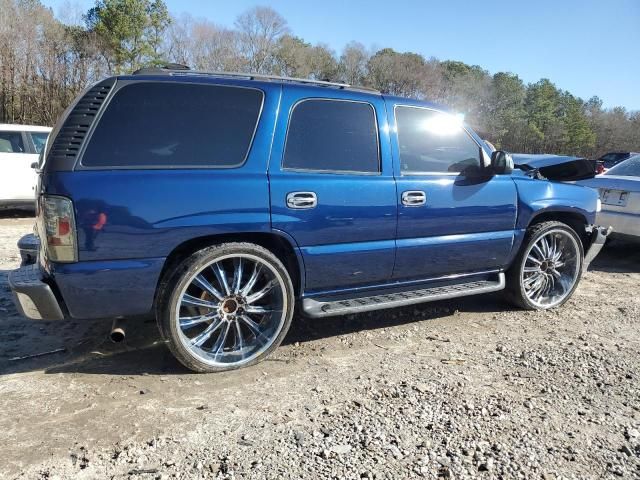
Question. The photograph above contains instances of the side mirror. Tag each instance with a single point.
(501, 163)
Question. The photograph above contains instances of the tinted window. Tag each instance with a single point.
(167, 124)
(628, 168)
(332, 135)
(432, 141)
(11, 142)
(39, 140)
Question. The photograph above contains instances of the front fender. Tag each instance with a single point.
(537, 197)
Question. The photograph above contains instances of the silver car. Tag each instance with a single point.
(619, 190)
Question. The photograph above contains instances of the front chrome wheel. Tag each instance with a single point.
(230, 308)
(552, 265)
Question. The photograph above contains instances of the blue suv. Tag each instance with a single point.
(222, 202)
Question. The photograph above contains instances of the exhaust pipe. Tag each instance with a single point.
(117, 330)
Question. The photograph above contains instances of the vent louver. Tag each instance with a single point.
(67, 143)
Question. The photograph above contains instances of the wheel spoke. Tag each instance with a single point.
(255, 329)
(203, 336)
(188, 322)
(239, 343)
(261, 293)
(531, 269)
(206, 286)
(252, 280)
(237, 276)
(533, 259)
(218, 347)
(257, 309)
(538, 250)
(222, 278)
(197, 302)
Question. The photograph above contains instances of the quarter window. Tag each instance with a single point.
(332, 136)
(175, 124)
(432, 141)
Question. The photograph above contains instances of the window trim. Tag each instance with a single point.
(123, 84)
(333, 172)
(428, 173)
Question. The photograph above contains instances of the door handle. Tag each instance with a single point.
(413, 198)
(302, 200)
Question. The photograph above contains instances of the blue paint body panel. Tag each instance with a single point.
(359, 235)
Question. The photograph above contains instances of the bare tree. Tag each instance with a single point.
(259, 29)
(353, 63)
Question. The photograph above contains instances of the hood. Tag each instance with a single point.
(556, 167)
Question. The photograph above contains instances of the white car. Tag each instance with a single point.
(20, 147)
(619, 190)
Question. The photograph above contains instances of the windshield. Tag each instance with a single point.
(628, 168)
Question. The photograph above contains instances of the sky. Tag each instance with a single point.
(588, 47)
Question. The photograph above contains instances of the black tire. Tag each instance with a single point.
(176, 282)
(515, 289)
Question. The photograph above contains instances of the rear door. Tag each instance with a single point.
(17, 178)
(451, 218)
(332, 187)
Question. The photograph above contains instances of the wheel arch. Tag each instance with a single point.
(575, 219)
(277, 242)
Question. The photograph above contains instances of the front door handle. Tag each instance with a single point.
(413, 198)
(302, 200)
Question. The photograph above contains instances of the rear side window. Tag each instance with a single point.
(11, 142)
(434, 142)
(173, 124)
(332, 136)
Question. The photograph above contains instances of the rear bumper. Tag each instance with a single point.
(622, 223)
(598, 238)
(84, 289)
(33, 297)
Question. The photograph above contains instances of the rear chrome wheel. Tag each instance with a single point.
(230, 308)
(548, 268)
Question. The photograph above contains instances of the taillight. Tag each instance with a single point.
(60, 229)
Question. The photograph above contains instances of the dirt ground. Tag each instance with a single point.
(455, 389)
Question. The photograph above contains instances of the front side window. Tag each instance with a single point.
(39, 140)
(175, 124)
(11, 142)
(434, 142)
(332, 136)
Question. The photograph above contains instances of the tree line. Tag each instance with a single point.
(46, 61)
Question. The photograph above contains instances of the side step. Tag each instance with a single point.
(317, 308)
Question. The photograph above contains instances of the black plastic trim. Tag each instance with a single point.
(71, 136)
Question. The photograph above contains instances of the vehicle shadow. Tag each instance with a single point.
(83, 346)
(17, 213)
(618, 256)
(75, 346)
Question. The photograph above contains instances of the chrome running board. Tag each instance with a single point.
(318, 308)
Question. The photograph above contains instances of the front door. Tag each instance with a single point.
(451, 218)
(332, 187)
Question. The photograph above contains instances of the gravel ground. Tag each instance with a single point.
(470, 388)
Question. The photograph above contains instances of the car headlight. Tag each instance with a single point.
(598, 206)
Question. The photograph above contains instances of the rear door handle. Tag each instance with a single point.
(302, 200)
(413, 198)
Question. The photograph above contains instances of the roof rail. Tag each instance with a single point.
(177, 69)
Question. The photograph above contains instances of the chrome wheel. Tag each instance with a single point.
(551, 268)
(231, 310)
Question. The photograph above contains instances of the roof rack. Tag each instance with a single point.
(178, 69)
